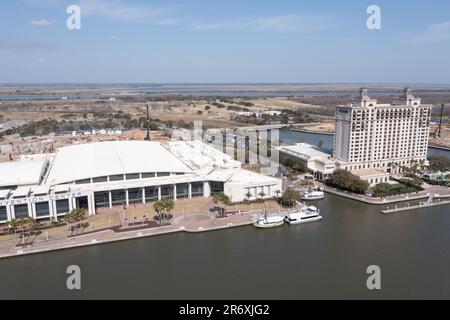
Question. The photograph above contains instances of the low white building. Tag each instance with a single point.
(318, 161)
(322, 165)
(120, 173)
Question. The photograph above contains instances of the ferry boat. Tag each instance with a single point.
(313, 194)
(303, 215)
(266, 221)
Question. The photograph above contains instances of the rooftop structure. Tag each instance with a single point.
(23, 172)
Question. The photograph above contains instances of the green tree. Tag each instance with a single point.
(345, 180)
(75, 218)
(222, 198)
(290, 197)
(163, 209)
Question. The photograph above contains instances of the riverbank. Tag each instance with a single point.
(438, 192)
(109, 236)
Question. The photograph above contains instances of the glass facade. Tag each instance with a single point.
(148, 175)
(118, 177)
(132, 176)
(167, 192)
(151, 194)
(163, 174)
(135, 195)
(62, 207)
(197, 189)
(216, 187)
(100, 179)
(42, 209)
(3, 214)
(85, 181)
(101, 199)
(182, 190)
(118, 198)
(21, 211)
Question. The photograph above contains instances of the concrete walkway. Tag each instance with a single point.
(191, 223)
(438, 192)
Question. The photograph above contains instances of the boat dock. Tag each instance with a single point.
(417, 206)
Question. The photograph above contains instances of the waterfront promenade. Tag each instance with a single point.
(198, 220)
(436, 191)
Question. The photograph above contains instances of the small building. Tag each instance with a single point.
(372, 176)
(316, 159)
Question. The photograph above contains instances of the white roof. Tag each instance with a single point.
(242, 176)
(84, 161)
(42, 189)
(21, 192)
(304, 151)
(4, 193)
(23, 172)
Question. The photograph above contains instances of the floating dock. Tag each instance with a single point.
(421, 205)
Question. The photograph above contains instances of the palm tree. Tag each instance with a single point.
(262, 194)
(248, 195)
(278, 193)
(158, 207)
(168, 205)
(75, 217)
(163, 206)
(223, 199)
(14, 224)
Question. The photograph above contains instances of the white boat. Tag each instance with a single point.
(313, 195)
(266, 221)
(303, 215)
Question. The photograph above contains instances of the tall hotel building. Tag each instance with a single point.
(371, 140)
(386, 136)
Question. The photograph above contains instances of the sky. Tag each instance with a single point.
(233, 41)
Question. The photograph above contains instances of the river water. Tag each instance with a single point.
(326, 259)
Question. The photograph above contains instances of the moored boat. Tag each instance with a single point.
(266, 221)
(303, 215)
(313, 195)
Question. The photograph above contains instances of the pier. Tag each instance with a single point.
(421, 205)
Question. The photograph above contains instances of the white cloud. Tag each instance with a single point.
(435, 33)
(289, 22)
(119, 11)
(43, 23)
